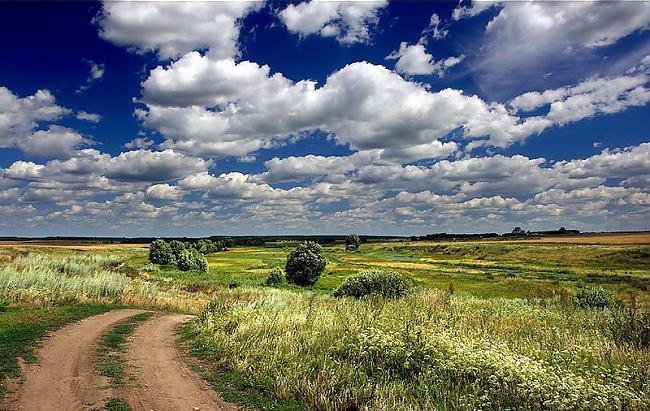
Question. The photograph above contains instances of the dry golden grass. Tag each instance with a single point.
(639, 238)
(80, 245)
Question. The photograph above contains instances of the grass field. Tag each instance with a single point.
(491, 324)
(527, 268)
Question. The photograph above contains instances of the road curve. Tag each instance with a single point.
(163, 380)
(158, 377)
(65, 377)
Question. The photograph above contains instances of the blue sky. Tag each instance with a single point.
(376, 117)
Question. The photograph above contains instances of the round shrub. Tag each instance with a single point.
(389, 284)
(593, 297)
(305, 264)
(190, 259)
(275, 278)
(352, 243)
(160, 252)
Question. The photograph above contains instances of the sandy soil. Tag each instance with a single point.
(158, 377)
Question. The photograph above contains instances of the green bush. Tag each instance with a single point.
(160, 252)
(389, 284)
(593, 297)
(177, 248)
(275, 278)
(209, 246)
(190, 259)
(305, 264)
(352, 243)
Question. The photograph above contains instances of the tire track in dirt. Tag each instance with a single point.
(64, 377)
(163, 379)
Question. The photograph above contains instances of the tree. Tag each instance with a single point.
(190, 259)
(352, 242)
(160, 252)
(177, 248)
(305, 264)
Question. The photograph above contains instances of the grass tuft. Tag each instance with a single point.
(116, 404)
(110, 362)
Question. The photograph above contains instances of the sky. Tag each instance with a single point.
(321, 117)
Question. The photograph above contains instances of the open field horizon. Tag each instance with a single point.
(325, 205)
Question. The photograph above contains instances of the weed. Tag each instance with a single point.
(116, 404)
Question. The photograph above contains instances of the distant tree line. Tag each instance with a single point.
(446, 236)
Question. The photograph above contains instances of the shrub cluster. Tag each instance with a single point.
(160, 252)
(190, 259)
(305, 264)
(594, 297)
(275, 278)
(389, 284)
(184, 255)
(209, 246)
(352, 243)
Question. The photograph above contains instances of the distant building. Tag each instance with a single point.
(561, 231)
(517, 232)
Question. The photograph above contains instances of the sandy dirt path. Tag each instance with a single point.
(157, 375)
(65, 377)
(163, 380)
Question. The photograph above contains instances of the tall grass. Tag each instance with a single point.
(42, 279)
(62, 277)
(429, 350)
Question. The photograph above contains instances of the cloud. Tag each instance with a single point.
(139, 142)
(163, 192)
(631, 164)
(96, 73)
(146, 165)
(254, 108)
(585, 23)
(589, 97)
(528, 39)
(174, 28)
(347, 21)
(414, 60)
(295, 168)
(55, 142)
(20, 115)
(434, 30)
(93, 170)
(92, 117)
(223, 108)
(233, 185)
(9, 196)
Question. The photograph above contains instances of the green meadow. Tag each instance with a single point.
(484, 269)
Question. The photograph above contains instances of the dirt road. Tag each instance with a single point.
(65, 377)
(163, 379)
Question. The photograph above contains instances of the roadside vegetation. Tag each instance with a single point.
(427, 350)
